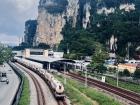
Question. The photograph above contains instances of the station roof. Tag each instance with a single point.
(41, 58)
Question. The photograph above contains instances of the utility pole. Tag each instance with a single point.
(81, 64)
(117, 72)
(129, 50)
(68, 49)
(65, 81)
(117, 76)
(86, 78)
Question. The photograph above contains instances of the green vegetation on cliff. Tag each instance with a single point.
(125, 26)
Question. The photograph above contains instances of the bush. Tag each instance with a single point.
(120, 73)
(126, 73)
(101, 68)
(137, 73)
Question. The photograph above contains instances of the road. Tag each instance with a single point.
(8, 91)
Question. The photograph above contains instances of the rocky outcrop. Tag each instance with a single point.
(30, 31)
(49, 28)
(53, 14)
(52, 17)
(86, 19)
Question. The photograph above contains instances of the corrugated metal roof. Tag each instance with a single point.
(44, 59)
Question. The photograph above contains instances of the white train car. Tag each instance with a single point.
(56, 86)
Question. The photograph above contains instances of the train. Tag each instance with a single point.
(56, 86)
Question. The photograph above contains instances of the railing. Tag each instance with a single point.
(20, 87)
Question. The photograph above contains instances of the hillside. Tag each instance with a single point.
(82, 25)
(113, 23)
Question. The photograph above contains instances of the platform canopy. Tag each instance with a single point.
(41, 58)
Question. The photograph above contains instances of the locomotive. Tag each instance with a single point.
(56, 86)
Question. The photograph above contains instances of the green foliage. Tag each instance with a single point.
(125, 85)
(137, 73)
(81, 95)
(101, 68)
(126, 72)
(5, 54)
(25, 45)
(22, 46)
(70, 56)
(99, 57)
(43, 46)
(123, 25)
(120, 73)
(117, 24)
(80, 42)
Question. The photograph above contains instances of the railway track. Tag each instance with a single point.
(62, 102)
(40, 95)
(133, 97)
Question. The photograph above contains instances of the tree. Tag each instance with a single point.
(101, 68)
(100, 54)
(120, 73)
(137, 73)
(126, 72)
(99, 57)
(5, 54)
(43, 46)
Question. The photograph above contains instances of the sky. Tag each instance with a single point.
(13, 14)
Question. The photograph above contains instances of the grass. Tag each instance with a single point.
(126, 85)
(25, 95)
(79, 95)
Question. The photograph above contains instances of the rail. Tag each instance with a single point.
(135, 98)
(40, 95)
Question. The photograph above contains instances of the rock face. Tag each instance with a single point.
(49, 28)
(52, 16)
(30, 31)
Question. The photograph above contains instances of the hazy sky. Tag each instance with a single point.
(13, 14)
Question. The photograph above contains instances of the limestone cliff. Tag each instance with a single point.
(52, 16)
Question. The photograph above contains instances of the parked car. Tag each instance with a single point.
(5, 79)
